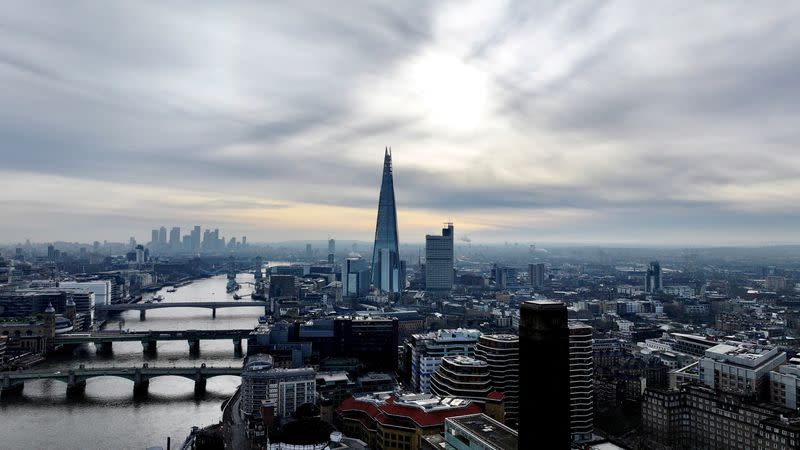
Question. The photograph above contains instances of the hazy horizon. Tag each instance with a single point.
(658, 123)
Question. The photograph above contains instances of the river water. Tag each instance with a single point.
(108, 417)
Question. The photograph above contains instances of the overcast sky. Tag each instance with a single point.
(531, 121)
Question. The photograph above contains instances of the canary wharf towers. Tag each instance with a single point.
(387, 270)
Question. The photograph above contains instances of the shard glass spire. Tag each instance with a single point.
(386, 274)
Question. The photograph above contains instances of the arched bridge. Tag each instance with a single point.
(213, 306)
(14, 381)
(103, 340)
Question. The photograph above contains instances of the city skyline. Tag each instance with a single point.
(613, 123)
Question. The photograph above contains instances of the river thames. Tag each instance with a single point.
(108, 416)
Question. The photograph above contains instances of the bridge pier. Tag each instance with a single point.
(140, 384)
(213, 313)
(237, 347)
(9, 388)
(194, 347)
(142, 315)
(149, 347)
(76, 389)
(199, 384)
(104, 348)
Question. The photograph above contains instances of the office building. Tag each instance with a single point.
(355, 277)
(536, 275)
(282, 286)
(581, 382)
(695, 416)
(281, 390)
(478, 432)
(387, 275)
(100, 288)
(501, 353)
(372, 340)
(439, 261)
(154, 237)
(427, 349)
(785, 384)
(386, 421)
(331, 250)
(545, 369)
(463, 377)
(162, 236)
(195, 238)
(739, 367)
(175, 237)
(653, 278)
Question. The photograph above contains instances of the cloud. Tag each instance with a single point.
(565, 121)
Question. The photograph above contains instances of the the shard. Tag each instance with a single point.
(387, 273)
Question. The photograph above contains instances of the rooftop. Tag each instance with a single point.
(488, 430)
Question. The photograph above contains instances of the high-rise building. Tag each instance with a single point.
(536, 274)
(162, 236)
(501, 353)
(427, 349)
(283, 390)
(195, 238)
(581, 382)
(331, 250)
(175, 237)
(544, 367)
(355, 277)
(439, 260)
(653, 279)
(386, 270)
(154, 237)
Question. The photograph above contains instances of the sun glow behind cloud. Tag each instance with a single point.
(517, 120)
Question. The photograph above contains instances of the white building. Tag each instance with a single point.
(785, 384)
(427, 350)
(100, 288)
(739, 367)
(282, 389)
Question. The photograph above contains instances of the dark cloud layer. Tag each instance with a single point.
(527, 120)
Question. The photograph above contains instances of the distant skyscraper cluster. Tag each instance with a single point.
(190, 243)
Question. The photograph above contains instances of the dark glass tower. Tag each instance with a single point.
(386, 269)
(544, 376)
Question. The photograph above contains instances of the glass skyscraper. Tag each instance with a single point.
(387, 274)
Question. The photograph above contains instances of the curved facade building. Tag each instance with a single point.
(581, 382)
(501, 354)
(463, 377)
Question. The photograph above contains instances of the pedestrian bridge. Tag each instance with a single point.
(143, 307)
(14, 381)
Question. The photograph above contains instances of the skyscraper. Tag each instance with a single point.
(581, 381)
(386, 271)
(439, 260)
(536, 274)
(154, 237)
(162, 236)
(544, 402)
(175, 237)
(195, 238)
(501, 353)
(331, 250)
(653, 279)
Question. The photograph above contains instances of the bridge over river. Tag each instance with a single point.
(212, 305)
(103, 341)
(13, 382)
